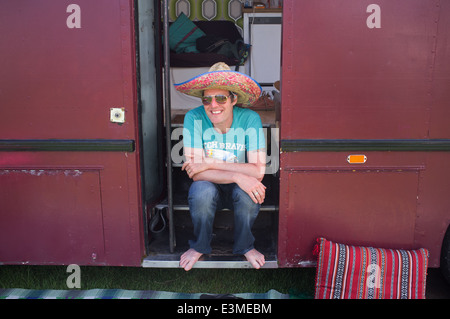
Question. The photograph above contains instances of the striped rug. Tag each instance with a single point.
(17, 293)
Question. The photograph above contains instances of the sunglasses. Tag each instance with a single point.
(220, 99)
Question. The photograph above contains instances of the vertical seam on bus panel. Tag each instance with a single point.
(102, 214)
(126, 20)
(433, 65)
(418, 206)
(287, 51)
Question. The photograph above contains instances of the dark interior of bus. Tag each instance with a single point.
(167, 221)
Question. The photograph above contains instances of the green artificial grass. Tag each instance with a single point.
(214, 281)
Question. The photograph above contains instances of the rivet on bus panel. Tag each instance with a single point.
(356, 159)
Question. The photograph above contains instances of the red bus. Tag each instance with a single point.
(359, 143)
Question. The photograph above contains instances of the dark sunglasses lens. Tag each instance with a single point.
(221, 99)
(206, 100)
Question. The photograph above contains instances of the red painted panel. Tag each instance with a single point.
(433, 207)
(98, 208)
(60, 82)
(51, 216)
(395, 199)
(440, 111)
(344, 80)
(357, 206)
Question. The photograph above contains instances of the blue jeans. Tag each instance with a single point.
(205, 198)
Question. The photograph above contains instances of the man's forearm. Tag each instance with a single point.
(216, 176)
(196, 163)
(256, 171)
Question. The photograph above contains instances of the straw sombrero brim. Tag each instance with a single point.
(246, 89)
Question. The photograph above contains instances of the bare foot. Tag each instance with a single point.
(189, 258)
(255, 258)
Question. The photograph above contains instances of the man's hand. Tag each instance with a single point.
(253, 187)
(194, 168)
(246, 175)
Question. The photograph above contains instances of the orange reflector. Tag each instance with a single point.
(356, 159)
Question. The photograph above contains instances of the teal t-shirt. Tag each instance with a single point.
(246, 134)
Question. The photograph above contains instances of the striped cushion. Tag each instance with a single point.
(354, 272)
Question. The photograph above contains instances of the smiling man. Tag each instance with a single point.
(224, 147)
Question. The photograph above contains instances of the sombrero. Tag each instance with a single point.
(220, 76)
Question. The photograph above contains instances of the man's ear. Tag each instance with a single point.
(235, 98)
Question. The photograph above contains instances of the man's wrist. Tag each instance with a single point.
(236, 177)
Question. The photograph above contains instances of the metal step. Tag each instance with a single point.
(172, 261)
(164, 205)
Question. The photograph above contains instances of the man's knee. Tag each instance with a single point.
(242, 198)
(203, 192)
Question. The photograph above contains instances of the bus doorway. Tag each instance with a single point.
(168, 223)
